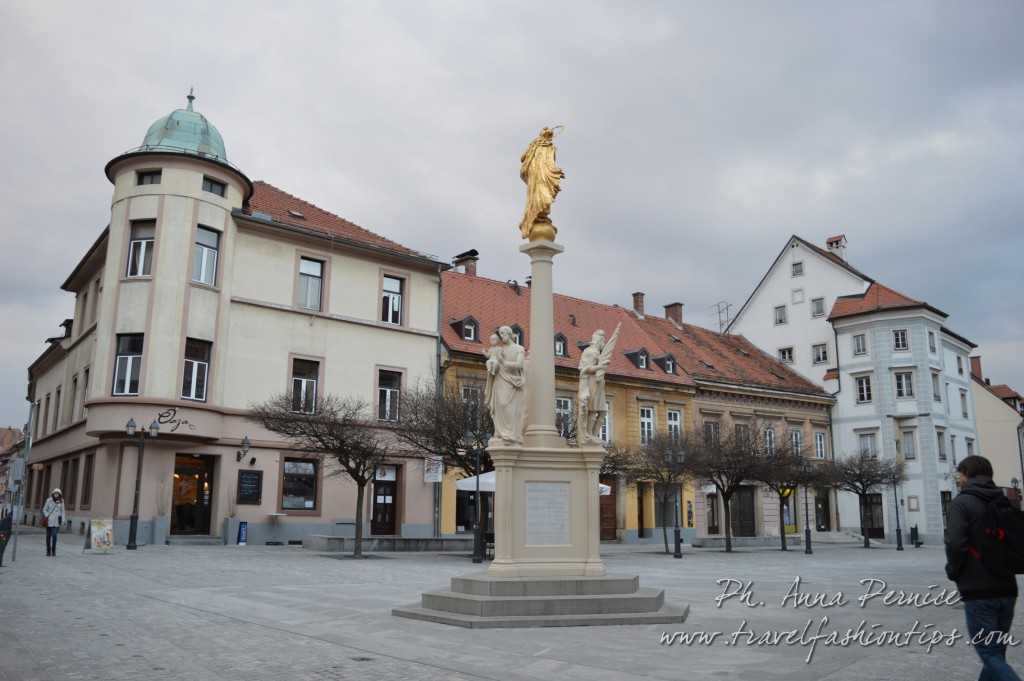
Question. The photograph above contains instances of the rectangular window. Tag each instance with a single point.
(931, 341)
(147, 177)
(780, 315)
(389, 390)
(904, 384)
(311, 280)
(952, 447)
(963, 403)
(820, 353)
(197, 369)
(960, 365)
(559, 347)
(796, 439)
(73, 405)
(140, 248)
(675, 424)
(769, 441)
(90, 462)
(860, 344)
(305, 375)
(563, 416)
(127, 364)
(863, 389)
(741, 431)
(469, 331)
(641, 360)
(819, 445)
(970, 446)
(866, 442)
(38, 419)
(646, 424)
(909, 445)
(56, 409)
(936, 392)
(797, 269)
(204, 256)
(606, 425)
(913, 503)
(71, 493)
(786, 355)
(817, 307)
(391, 303)
(712, 432)
(899, 340)
(85, 393)
(298, 485)
(214, 186)
(941, 435)
(670, 365)
(46, 415)
(83, 316)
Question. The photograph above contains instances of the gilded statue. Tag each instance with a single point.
(543, 179)
(591, 399)
(505, 392)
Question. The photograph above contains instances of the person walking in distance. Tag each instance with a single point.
(53, 511)
(982, 569)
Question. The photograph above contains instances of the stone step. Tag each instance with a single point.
(643, 600)
(667, 614)
(481, 584)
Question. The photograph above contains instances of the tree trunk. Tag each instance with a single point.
(782, 523)
(863, 527)
(728, 523)
(664, 523)
(357, 546)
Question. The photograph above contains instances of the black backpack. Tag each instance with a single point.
(997, 538)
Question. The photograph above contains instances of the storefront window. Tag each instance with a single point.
(298, 490)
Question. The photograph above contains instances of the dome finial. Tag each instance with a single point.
(190, 97)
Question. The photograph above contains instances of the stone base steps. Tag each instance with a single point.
(481, 601)
(330, 543)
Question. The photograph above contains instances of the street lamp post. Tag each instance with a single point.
(807, 512)
(678, 535)
(140, 436)
(896, 503)
(478, 538)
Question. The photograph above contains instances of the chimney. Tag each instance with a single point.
(674, 311)
(466, 262)
(976, 368)
(638, 302)
(836, 245)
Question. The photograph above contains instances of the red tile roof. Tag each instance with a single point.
(276, 203)
(1005, 392)
(877, 298)
(830, 375)
(698, 352)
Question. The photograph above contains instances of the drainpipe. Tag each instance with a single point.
(831, 429)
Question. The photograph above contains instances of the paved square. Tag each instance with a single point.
(258, 613)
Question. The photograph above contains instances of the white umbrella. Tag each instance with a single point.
(487, 484)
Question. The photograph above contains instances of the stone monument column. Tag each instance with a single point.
(540, 375)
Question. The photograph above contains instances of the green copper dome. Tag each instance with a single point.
(187, 132)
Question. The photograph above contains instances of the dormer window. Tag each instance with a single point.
(469, 331)
(641, 360)
(517, 334)
(670, 366)
(561, 346)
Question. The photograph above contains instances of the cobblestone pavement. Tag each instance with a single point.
(254, 613)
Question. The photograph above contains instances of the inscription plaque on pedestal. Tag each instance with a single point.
(547, 513)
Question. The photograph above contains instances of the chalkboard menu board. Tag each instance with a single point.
(250, 486)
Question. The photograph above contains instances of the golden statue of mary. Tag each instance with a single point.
(543, 178)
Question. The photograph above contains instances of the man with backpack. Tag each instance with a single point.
(982, 540)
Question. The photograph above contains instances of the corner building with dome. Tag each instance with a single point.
(207, 293)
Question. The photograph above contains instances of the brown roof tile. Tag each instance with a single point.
(877, 298)
(1005, 392)
(268, 199)
(698, 352)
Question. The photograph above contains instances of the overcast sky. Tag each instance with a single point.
(697, 138)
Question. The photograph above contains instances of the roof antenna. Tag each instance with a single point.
(190, 97)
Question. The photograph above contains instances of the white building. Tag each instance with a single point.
(205, 294)
(901, 378)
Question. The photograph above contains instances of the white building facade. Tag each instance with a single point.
(900, 377)
(208, 293)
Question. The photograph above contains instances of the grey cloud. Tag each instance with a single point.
(698, 137)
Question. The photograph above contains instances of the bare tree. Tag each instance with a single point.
(438, 421)
(781, 469)
(662, 461)
(728, 460)
(339, 431)
(863, 474)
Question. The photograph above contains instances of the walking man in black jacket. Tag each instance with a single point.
(988, 598)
